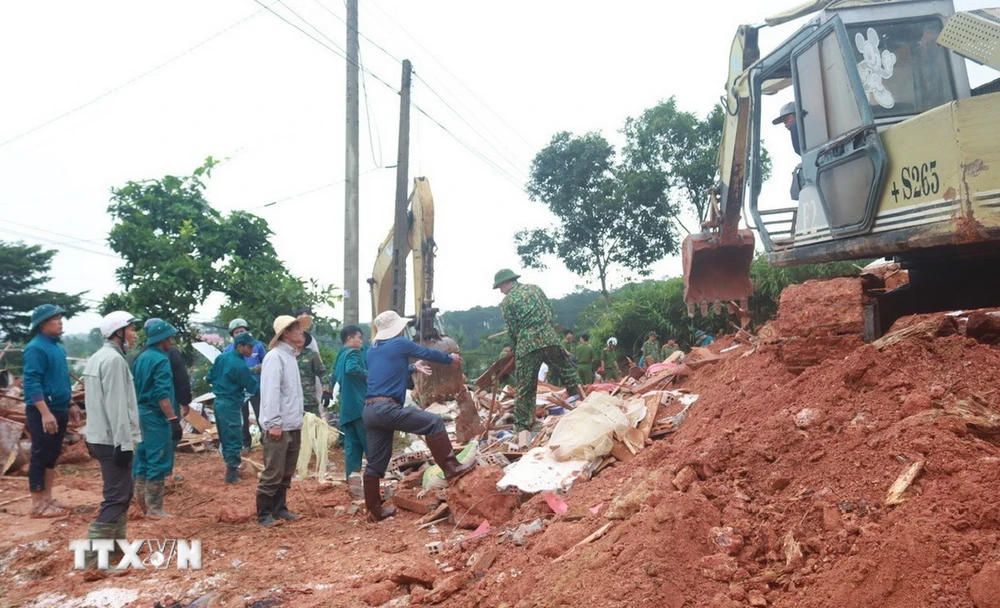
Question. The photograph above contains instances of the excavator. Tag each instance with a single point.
(899, 156)
(445, 382)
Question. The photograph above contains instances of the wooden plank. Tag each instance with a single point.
(652, 382)
(903, 482)
(483, 562)
(621, 452)
(436, 514)
(652, 409)
(10, 435)
(199, 422)
(596, 535)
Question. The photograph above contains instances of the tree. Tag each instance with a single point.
(24, 269)
(682, 149)
(610, 215)
(178, 250)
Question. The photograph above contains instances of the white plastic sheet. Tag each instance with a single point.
(539, 471)
(587, 433)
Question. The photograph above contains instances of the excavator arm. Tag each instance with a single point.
(717, 260)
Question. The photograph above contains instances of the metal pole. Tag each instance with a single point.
(401, 225)
(351, 171)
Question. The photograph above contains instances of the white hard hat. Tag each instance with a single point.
(612, 341)
(236, 324)
(116, 320)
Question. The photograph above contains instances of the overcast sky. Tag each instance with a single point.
(272, 100)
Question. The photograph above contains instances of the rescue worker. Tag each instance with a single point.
(669, 348)
(388, 371)
(182, 387)
(702, 339)
(609, 361)
(112, 424)
(311, 371)
(650, 350)
(47, 394)
(160, 424)
(320, 388)
(231, 382)
(351, 374)
(586, 359)
(787, 117)
(529, 318)
(254, 360)
(280, 420)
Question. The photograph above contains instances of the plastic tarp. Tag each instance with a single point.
(539, 471)
(587, 433)
(317, 438)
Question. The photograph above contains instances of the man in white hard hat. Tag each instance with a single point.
(281, 415)
(113, 428)
(254, 361)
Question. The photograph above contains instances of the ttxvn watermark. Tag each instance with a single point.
(139, 554)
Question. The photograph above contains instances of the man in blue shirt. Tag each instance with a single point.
(254, 361)
(388, 371)
(47, 394)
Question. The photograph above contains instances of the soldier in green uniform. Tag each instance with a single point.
(650, 350)
(668, 349)
(529, 318)
(161, 426)
(586, 359)
(609, 361)
(311, 367)
(231, 382)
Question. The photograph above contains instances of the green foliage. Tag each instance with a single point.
(178, 250)
(682, 150)
(609, 215)
(83, 345)
(24, 269)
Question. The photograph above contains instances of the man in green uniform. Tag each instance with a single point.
(161, 426)
(351, 374)
(668, 349)
(232, 382)
(650, 350)
(586, 359)
(529, 318)
(609, 361)
(310, 368)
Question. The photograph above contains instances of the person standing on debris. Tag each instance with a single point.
(586, 359)
(319, 391)
(669, 348)
(160, 423)
(530, 323)
(113, 430)
(351, 373)
(47, 395)
(231, 382)
(702, 339)
(388, 370)
(280, 420)
(650, 350)
(182, 387)
(311, 371)
(609, 361)
(253, 360)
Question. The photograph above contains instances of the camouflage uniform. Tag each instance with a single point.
(667, 351)
(311, 367)
(651, 352)
(610, 358)
(585, 360)
(529, 318)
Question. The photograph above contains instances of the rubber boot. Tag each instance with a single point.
(232, 475)
(265, 505)
(444, 456)
(139, 493)
(154, 499)
(100, 531)
(281, 508)
(373, 500)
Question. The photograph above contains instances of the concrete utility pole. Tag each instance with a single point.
(351, 171)
(400, 225)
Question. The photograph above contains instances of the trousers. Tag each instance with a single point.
(355, 445)
(280, 457)
(382, 419)
(154, 457)
(561, 372)
(229, 423)
(117, 484)
(45, 447)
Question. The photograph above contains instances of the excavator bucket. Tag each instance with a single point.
(717, 271)
(446, 382)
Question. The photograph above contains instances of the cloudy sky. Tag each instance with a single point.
(501, 78)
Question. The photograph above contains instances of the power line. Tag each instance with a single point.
(129, 82)
(456, 78)
(316, 29)
(50, 242)
(360, 33)
(306, 192)
(67, 236)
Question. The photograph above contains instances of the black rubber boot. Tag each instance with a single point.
(265, 505)
(444, 456)
(281, 508)
(232, 475)
(373, 500)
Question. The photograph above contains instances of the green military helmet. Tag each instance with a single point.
(504, 275)
(159, 332)
(43, 313)
(244, 339)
